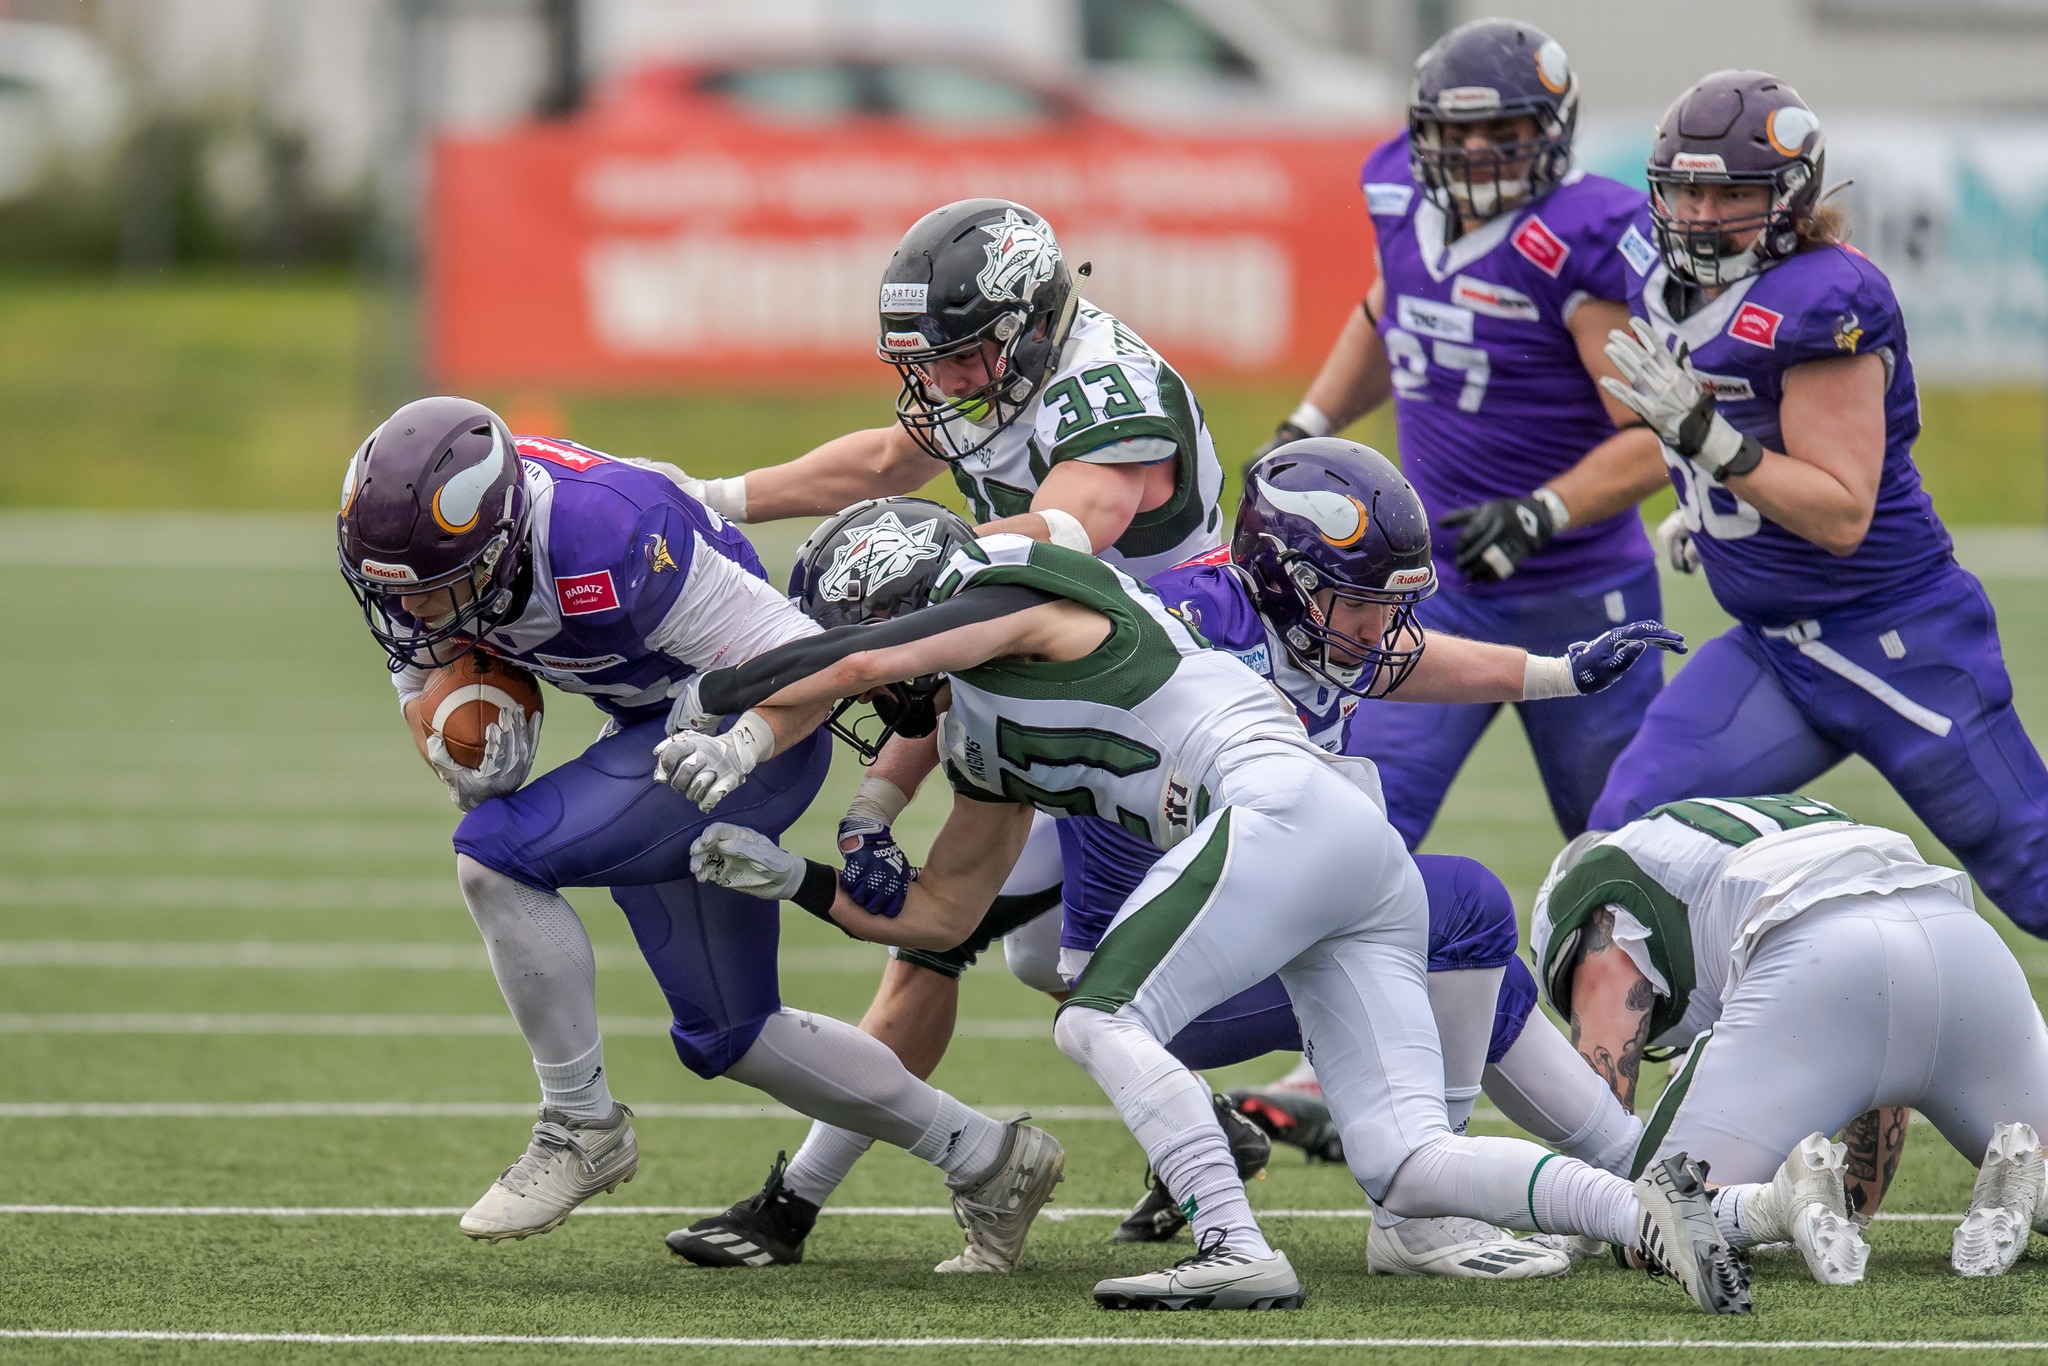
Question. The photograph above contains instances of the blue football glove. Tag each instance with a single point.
(877, 874)
(1599, 663)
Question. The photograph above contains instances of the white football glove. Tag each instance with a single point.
(726, 497)
(746, 861)
(510, 743)
(1674, 544)
(688, 713)
(707, 768)
(1665, 391)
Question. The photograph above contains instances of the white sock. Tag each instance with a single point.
(964, 1144)
(577, 1088)
(827, 1069)
(1463, 1003)
(541, 957)
(821, 1164)
(1169, 1112)
(1513, 1183)
(1545, 1087)
(1731, 1203)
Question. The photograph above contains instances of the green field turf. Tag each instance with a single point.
(204, 767)
(249, 391)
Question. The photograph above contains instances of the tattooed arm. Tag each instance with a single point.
(1611, 1003)
(1875, 1139)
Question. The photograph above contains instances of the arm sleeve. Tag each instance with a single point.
(732, 690)
(410, 681)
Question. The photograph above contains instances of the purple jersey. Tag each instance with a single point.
(635, 585)
(1212, 597)
(1490, 397)
(1819, 305)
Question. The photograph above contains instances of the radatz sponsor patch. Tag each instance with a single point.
(582, 594)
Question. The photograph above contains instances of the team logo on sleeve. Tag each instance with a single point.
(659, 561)
(1020, 259)
(1848, 333)
(582, 594)
(1756, 325)
(884, 552)
(1544, 248)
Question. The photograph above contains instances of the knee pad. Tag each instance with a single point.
(1471, 914)
(1074, 1032)
(505, 833)
(1032, 952)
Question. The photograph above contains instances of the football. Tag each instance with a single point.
(464, 698)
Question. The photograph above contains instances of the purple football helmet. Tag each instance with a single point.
(1329, 513)
(1735, 128)
(1491, 69)
(434, 500)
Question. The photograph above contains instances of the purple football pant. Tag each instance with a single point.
(1756, 712)
(1471, 925)
(1420, 746)
(601, 821)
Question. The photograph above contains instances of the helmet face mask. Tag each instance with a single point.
(1735, 128)
(435, 513)
(978, 278)
(1328, 523)
(1490, 71)
(874, 562)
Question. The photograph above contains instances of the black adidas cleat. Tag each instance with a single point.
(1156, 1220)
(1679, 1238)
(767, 1228)
(1292, 1113)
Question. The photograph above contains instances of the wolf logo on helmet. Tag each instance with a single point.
(1022, 257)
(885, 551)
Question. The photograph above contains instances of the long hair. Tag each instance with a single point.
(1826, 226)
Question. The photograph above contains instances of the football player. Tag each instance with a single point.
(1071, 688)
(1500, 272)
(1056, 421)
(609, 581)
(1816, 969)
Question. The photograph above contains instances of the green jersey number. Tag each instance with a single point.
(1070, 396)
(1022, 746)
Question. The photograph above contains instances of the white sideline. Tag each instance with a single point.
(424, 1026)
(1055, 1213)
(1179, 1343)
(167, 955)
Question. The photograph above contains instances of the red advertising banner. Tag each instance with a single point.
(600, 256)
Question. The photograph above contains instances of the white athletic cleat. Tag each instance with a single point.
(1580, 1247)
(997, 1211)
(1679, 1238)
(1807, 1205)
(1214, 1278)
(567, 1162)
(1469, 1248)
(1994, 1233)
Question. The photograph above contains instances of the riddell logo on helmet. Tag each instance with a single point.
(1467, 99)
(1542, 246)
(905, 341)
(1409, 578)
(1699, 161)
(389, 573)
(582, 594)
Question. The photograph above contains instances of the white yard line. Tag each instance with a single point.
(186, 955)
(414, 1026)
(1174, 1343)
(1055, 1213)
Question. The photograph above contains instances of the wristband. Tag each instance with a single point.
(1560, 515)
(752, 740)
(726, 497)
(1746, 459)
(877, 799)
(1065, 529)
(1547, 676)
(818, 890)
(1312, 421)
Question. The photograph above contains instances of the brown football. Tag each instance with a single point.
(463, 698)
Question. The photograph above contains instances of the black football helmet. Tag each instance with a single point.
(433, 500)
(876, 560)
(1491, 69)
(973, 271)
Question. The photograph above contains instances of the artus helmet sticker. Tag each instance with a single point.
(884, 552)
(1338, 516)
(1022, 257)
(459, 502)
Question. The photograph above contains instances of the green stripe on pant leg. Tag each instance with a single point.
(1129, 953)
(1667, 1106)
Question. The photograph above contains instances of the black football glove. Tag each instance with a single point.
(1499, 535)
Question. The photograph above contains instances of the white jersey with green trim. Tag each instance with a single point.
(1110, 399)
(1137, 731)
(1707, 878)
